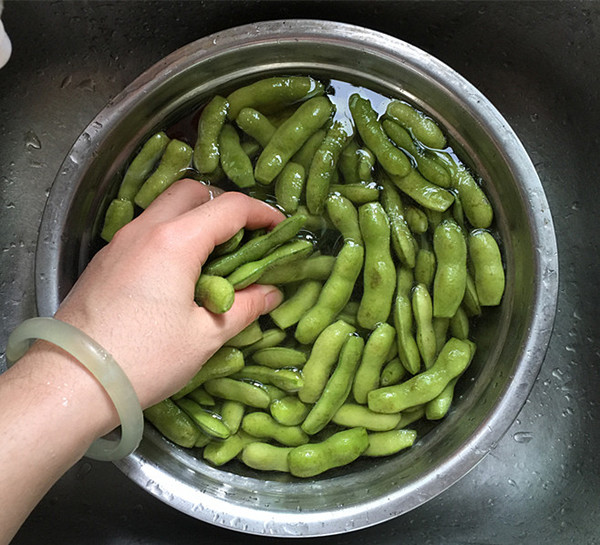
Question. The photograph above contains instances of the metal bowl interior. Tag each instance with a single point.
(511, 339)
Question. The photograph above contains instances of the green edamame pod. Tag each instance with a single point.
(411, 415)
(288, 187)
(315, 267)
(290, 136)
(471, 300)
(250, 272)
(274, 392)
(305, 154)
(334, 295)
(173, 423)
(289, 410)
(256, 125)
(423, 128)
(403, 241)
(386, 443)
(323, 357)
(323, 166)
(451, 273)
(459, 325)
(379, 274)
(452, 360)
(352, 415)
(487, 267)
(348, 313)
(238, 390)
(416, 219)
(234, 161)
(210, 123)
(266, 457)
(392, 373)
(403, 322)
(214, 293)
(221, 452)
(202, 397)
(474, 201)
(232, 413)
(251, 334)
(208, 421)
(373, 358)
(288, 380)
(440, 328)
(173, 165)
(264, 426)
(229, 245)
(277, 357)
(423, 313)
(337, 388)
(427, 166)
(424, 192)
(118, 214)
(425, 267)
(344, 217)
(438, 407)
(270, 337)
(226, 361)
(257, 247)
(291, 310)
(338, 450)
(358, 193)
(392, 159)
(366, 164)
(271, 94)
(142, 165)
(348, 163)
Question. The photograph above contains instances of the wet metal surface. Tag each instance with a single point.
(538, 64)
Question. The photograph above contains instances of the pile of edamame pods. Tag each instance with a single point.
(385, 258)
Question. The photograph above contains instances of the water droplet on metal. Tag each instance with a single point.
(523, 436)
(32, 141)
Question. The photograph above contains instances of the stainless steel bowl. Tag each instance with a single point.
(512, 339)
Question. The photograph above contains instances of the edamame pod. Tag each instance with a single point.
(290, 136)
(226, 361)
(324, 355)
(315, 267)
(323, 166)
(403, 322)
(373, 358)
(334, 295)
(214, 293)
(250, 272)
(487, 267)
(452, 360)
(202, 397)
(266, 457)
(251, 334)
(291, 310)
(229, 245)
(338, 450)
(423, 313)
(459, 324)
(451, 273)
(392, 373)
(392, 159)
(274, 93)
(422, 191)
(337, 388)
(288, 380)
(416, 219)
(173, 423)
(277, 357)
(438, 407)
(288, 187)
(305, 154)
(471, 299)
(264, 426)
(236, 164)
(210, 123)
(344, 217)
(348, 163)
(270, 338)
(289, 410)
(425, 267)
(386, 443)
(173, 165)
(232, 413)
(258, 247)
(351, 415)
(256, 125)
(118, 214)
(221, 452)
(423, 128)
(474, 201)
(379, 274)
(238, 390)
(208, 421)
(142, 165)
(358, 193)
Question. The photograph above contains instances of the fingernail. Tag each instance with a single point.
(273, 299)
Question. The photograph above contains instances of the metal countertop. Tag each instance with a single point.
(538, 64)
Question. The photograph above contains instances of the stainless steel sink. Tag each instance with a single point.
(536, 61)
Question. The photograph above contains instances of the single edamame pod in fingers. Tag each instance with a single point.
(487, 267)
(142, 165)
(323, 166)
(379, 274)
(274, 93)
(337, 388)
(338, 450)
(256, 125)
(451, 273)
(423, 128)
(290, 136)
(452, 360)
(288, 187)
(210, 123)
(392, 159)
(172, 167)
(118, 214)
(173, 423)
(334, 295)
(214, 293)
(235, 162)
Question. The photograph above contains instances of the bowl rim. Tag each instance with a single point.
(143, 471)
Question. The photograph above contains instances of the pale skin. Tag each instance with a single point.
(135, 299)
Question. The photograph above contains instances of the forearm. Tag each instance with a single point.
(51, 410)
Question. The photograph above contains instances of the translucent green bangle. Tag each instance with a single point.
(102, 365)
